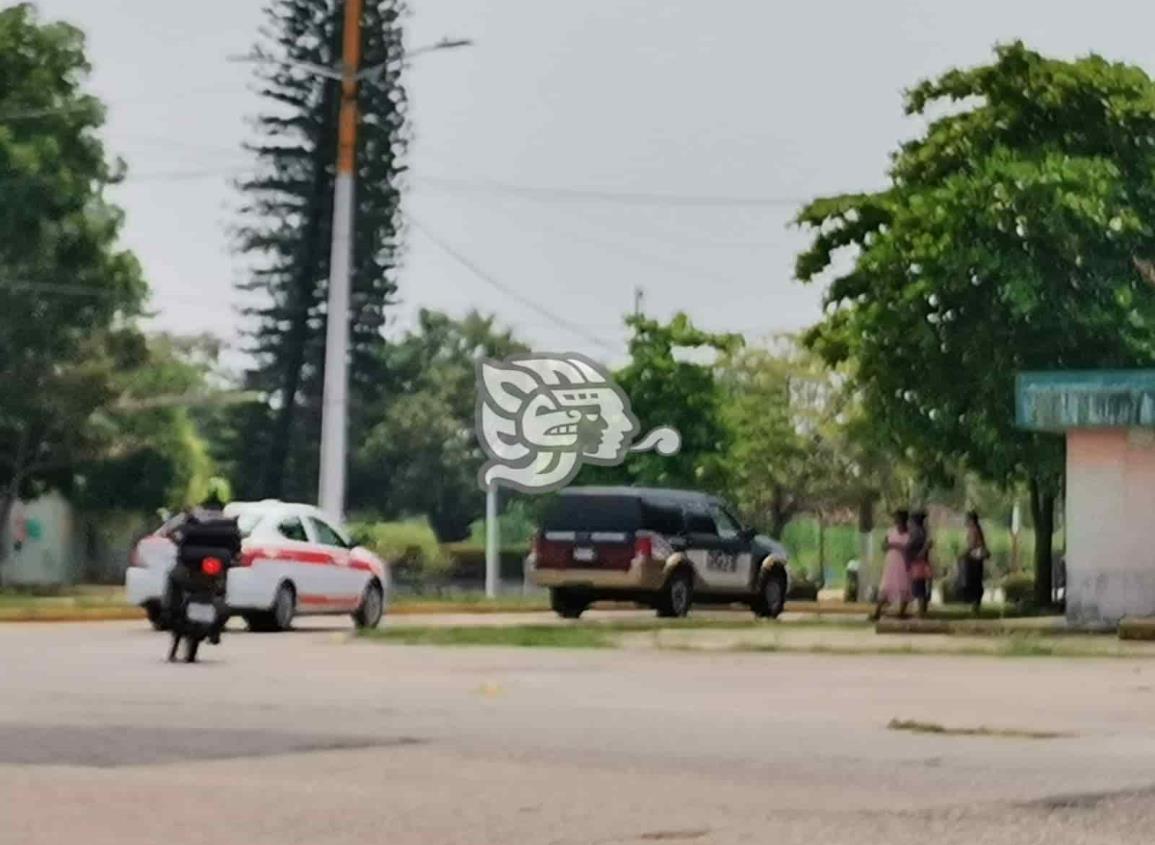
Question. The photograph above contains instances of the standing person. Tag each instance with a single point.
(920, 568)
(973, 560)
(895, 586)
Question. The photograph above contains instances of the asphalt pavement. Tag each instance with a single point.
(308, 737)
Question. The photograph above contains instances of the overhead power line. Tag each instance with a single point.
(569, 194)
(183, 175)
(493, 282)
(29, 114)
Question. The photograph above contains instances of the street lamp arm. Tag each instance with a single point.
(312, 67)
(443, 44)
(373, 72)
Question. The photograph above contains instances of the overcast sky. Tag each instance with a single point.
(703, 125)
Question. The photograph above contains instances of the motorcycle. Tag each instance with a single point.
(208, 543)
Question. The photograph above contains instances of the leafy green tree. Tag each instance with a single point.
(421, 455)
(1011, 237)
(799, 440)
(67, 293)
(286, 231)
(670, 380)
(779, 407)
(155, 455)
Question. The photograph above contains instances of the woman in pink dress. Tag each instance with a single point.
(895, 586)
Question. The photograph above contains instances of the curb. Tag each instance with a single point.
(113, 613)
(1043, 626)
(1137, 628)
(74, 614)
(422, 609)
(829, 608)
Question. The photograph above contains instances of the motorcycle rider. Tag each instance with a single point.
(178, 586)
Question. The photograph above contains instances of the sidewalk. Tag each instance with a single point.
(1037, 640)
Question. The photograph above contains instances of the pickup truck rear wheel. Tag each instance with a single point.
(771, 597)
(677, 596)
(566, 604)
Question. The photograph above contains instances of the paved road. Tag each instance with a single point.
(307, 738)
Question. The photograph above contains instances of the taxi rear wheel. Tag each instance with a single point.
(280, 617)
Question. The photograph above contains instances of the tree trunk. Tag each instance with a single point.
(866, 574)
(282, 435)
(782, 510)
(1043, 514)
(310, 267)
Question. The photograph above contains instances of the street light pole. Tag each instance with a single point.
(335, 395)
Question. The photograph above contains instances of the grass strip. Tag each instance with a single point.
(521, 636)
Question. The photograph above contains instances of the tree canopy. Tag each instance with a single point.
(1012, 236)
(671, 380)
(420, 455)
(68, 293)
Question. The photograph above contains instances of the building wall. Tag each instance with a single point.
(47, 550)
(54, 544)
(1110, 524)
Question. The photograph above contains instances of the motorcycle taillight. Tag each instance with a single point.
(212, 566)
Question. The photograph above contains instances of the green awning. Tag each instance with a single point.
(1055, 401)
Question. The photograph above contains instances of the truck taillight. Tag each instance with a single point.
(643, 546)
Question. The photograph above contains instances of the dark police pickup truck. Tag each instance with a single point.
(665, 548)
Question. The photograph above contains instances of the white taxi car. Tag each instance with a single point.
(294, 562)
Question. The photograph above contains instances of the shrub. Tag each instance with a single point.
(467, 561)
(1019, 589)
(410, 548)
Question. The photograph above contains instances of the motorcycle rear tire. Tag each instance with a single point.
(192, 645)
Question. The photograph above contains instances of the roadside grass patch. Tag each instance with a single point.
(403, 605)
(522, 636)
(586, 634)
(1026, 645)
(915, 726)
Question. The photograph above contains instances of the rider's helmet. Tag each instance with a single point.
(219, 493)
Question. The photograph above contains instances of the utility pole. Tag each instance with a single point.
(335, 395)
(639, 300)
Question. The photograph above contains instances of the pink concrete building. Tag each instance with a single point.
(1109, 421)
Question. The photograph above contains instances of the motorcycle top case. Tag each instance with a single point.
(208, 535)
